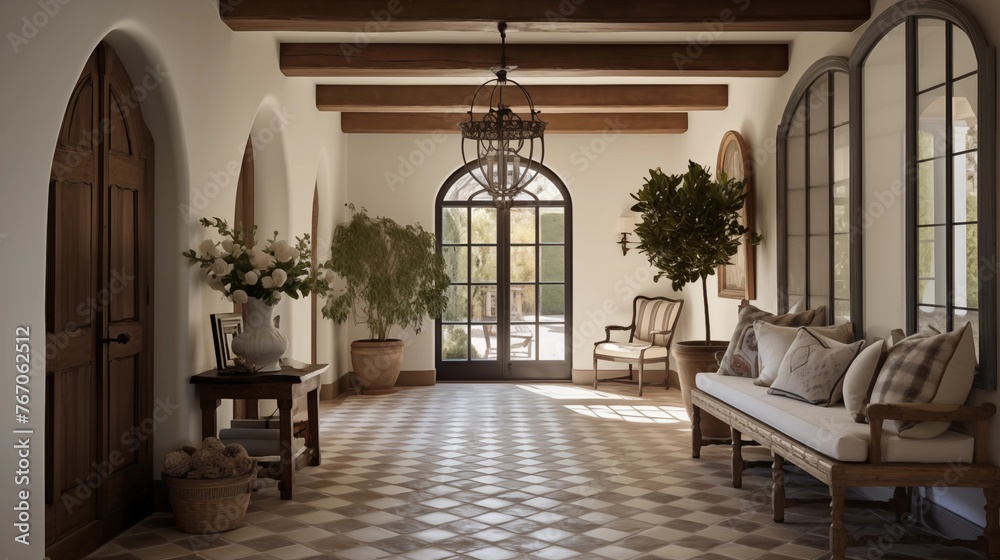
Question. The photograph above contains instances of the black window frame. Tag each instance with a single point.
(908, 13)
(825, 67)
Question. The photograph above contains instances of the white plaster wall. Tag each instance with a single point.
(600, 171)
(208, 88)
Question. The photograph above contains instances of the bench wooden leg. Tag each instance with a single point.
(695, 432)
(595, 373)
(778, 489)
(738, 463)
(838, 534)
(992, 530)
(901, 502)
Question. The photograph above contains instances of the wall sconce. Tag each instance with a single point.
(626, 226)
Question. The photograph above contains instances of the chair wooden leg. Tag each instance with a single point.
(640, 377)
(595, 373)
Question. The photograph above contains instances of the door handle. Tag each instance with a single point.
(122, 338)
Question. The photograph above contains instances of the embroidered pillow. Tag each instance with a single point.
(773, 343)
(814, 368)
(927, 368)
(740, 358)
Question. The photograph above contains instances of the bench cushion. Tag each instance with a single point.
(830, 431)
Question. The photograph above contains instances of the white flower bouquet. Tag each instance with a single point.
(265, 271)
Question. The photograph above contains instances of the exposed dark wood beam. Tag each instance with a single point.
(548, 99)
(475, 60)
(562, 123)
(373, 16)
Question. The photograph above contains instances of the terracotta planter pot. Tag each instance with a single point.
(376, 365)
(694, 357)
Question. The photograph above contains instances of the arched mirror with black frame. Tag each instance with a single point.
(816, 262)
(924, 101)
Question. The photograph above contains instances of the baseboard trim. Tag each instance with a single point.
(945, 521)
(331, 391)
(417, 378)
(930, 515)
(407, 378)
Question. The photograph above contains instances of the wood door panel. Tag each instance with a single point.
(74, 258)
(75, 439)
(122, 258)
(80, 120)
(74, 165)
(119, 129)
(71, 349)
(124, 417)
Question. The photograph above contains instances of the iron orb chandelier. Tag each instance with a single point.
(509, 149)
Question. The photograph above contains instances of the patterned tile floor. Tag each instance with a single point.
(499, 471)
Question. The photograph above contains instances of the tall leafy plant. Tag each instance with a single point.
(393, 273)
(690, 226)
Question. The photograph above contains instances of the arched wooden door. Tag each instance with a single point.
(99, 379)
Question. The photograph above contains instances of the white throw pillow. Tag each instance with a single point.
(773, 342)
(858, 379)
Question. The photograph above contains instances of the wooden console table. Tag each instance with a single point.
(293, 381)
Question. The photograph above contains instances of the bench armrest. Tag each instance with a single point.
(609, 328)
(928, 412)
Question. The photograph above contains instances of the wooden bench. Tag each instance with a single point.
(841, 475)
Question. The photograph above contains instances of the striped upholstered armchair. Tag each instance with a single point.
(649, 337)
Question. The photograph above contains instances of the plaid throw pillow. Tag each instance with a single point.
(740, 359)
(927, 367)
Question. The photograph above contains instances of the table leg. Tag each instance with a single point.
(209, 427)
(313, 433)
(287, 481)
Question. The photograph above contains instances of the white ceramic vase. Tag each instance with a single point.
(260, 342)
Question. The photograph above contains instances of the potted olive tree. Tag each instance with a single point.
(394, 278)
(690, 226)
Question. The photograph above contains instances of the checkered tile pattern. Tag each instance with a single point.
(497, 471)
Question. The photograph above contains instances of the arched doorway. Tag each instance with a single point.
(509, 315)
(98, 306)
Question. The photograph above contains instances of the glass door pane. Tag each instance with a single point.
(509, 299)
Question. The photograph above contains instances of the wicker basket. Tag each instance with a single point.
(211, 505)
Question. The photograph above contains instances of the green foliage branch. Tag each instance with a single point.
(691, 225)
(394, 276)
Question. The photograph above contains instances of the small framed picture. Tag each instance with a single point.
(225, 326)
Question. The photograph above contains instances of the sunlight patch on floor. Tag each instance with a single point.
(570, 392)
(647, 414)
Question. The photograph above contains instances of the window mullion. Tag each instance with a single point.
(949, 150)
(911, 179)
(831, 205)
(807, 237)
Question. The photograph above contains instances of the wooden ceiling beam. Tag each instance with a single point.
(562, 123)
(548, 99)
(374, 16)
(544, 59)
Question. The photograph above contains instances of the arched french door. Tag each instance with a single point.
(509, 314)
